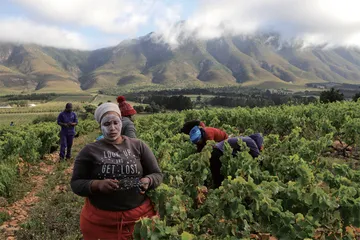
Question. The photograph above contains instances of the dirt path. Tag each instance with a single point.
(19, 210)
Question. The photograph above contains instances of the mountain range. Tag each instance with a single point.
(261, 60)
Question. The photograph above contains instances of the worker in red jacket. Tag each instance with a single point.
(200, 135)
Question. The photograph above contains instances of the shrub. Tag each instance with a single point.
(45, 118)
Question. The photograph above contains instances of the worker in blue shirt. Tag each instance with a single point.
(254, 142)
(67, 120)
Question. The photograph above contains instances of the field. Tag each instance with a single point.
(303, 185)
(40, 107)
(22, 118)
(75, 98)
(194, 97)
(25, 115)
(103, 98)
(99, 98)
(299, 188)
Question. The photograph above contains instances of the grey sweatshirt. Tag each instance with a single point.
(128, 128)
(126, 162)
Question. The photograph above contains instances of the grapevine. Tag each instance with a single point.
(291, 191)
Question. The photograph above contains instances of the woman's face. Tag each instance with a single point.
(111, 126)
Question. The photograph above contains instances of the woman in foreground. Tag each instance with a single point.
(127, 118)
(113, 174)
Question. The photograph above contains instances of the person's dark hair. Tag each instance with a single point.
(189, 125)
(68, 106)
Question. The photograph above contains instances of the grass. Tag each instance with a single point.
(56, 215)
(10, 91)
(279, 85)
(21, 187)
(4, 216)
(61, 86)
(74, 98)
(42, 107)
(25, 115)
(104, 98)
(141, 115)
(17, 182)
(21, 118)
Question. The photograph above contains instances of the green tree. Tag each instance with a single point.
(155, 107)
(331, 96)
(139, 108)
(148, 109)
(179, 103)
(90, 108)
(356, 97)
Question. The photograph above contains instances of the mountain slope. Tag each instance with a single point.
(29, 67)
(250, 61)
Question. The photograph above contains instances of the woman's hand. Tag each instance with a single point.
(105, 186)
(145, 184)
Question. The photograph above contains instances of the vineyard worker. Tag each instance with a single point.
(127, 113)
(200, 135)
(113, 174)
(254, 142)
(127, 119)
(190, 124)
(67, 120)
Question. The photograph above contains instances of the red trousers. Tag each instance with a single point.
(98, 224)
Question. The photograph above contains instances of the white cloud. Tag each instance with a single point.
(336, 22)
(312, 21)
(25, 31)
(108, 16)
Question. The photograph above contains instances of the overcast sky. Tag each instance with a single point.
(91, 24)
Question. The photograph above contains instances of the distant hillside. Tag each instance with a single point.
(249, 61)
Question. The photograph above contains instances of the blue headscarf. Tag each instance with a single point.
(195, 134)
